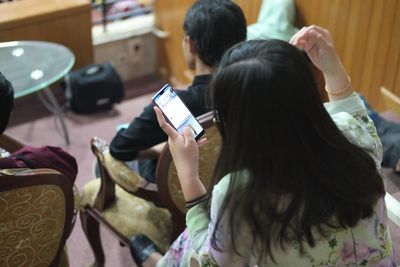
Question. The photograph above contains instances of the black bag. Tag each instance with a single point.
(93, 88)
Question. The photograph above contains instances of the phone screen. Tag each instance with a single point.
(176, 111)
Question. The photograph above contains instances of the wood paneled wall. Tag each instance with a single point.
(367, 38)
(250, 9)
(65, 22)
(366, 35)
(169, 18)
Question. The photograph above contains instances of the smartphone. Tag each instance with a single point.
(176, 112)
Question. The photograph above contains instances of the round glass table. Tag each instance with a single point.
(32, 66)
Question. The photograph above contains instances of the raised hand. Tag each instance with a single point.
(318, 44)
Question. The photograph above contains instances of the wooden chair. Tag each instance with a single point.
(120, 201)
(36, 217)
(37, 214)
(391, 101)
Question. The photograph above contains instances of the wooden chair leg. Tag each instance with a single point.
(92, 231)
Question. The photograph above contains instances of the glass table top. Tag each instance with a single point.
(34, 65)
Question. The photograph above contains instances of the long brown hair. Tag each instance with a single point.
(301, 172)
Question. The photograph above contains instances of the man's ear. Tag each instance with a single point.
(192, 46)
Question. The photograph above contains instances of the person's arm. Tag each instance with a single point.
(345, 106)
(318, 44)
(137, 140)
(352, 119)
(185, 153)
(201, 227)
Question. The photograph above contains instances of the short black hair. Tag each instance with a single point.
(214, 26)
(6, 102)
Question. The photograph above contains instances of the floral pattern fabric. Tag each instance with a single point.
(179, 252)
(367, 244)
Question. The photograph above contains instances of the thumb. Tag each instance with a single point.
(188, 133)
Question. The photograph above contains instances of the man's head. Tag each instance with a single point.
(6, 102)
(211, 27)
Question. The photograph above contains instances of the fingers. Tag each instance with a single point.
(204, 141)
(189, 136)
(168, 129)
(188, 133)
(324, 32)
(305, 30)
(318, 38)
(310, 37)
(295, 40)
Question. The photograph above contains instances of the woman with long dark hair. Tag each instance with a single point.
(298, 182)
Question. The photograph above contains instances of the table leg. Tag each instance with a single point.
(51, 103)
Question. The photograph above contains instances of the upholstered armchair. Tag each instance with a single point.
(38, 208)
(123, 202)
(36, 217)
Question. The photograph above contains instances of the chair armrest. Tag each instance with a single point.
(10, 144)
(121, 174)
(113, 171)
(26, 172)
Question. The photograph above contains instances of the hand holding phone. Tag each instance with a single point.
(184, 148)
(176, 112)
(185, 153)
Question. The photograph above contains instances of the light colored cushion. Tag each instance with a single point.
(131, 215)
